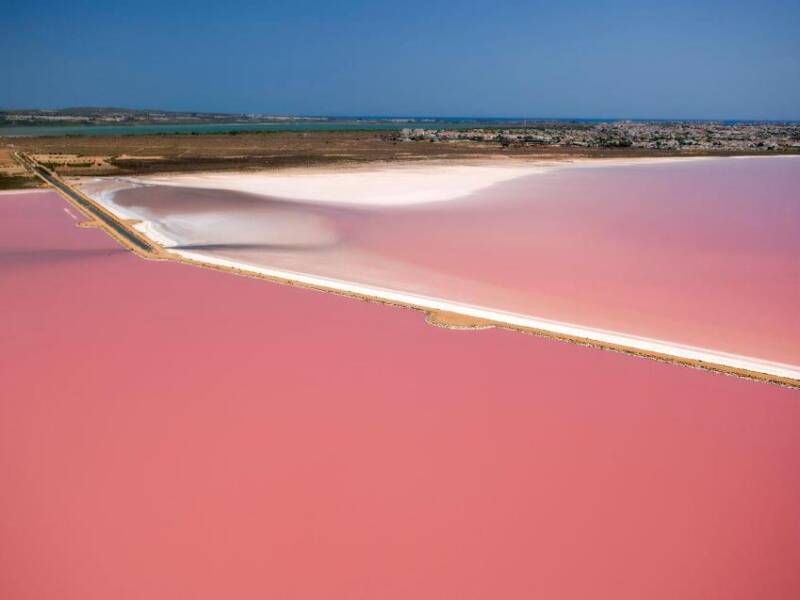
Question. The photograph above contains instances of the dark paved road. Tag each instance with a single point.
(122, 229)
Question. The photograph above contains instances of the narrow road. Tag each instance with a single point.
(117, 227)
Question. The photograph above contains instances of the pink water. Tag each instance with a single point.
(171, 432)
(702, 253)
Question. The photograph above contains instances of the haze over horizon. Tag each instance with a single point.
(390, 117)
(718, 60)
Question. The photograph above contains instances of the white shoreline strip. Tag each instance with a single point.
(562, 329)
(25, 191)
(386, 186)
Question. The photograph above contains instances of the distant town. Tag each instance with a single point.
(650, 135)
(675, 136)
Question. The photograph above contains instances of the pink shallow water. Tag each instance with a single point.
(171, 432)
(701, 253)
(705, 253)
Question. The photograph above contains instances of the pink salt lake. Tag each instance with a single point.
(172, 432)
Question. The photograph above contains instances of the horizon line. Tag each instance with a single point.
(413, 117)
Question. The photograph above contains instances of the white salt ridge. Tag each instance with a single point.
(390, 186)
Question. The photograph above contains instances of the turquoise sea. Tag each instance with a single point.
(199, 128)
(334, 124)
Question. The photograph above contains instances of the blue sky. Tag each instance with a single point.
(679, 59)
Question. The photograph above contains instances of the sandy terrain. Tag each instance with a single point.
(130, 155)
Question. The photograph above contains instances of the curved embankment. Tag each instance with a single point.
(439, 312)
(453, 315)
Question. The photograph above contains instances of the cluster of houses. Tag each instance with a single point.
(626, 134)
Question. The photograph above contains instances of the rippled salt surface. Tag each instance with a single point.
(700, 252)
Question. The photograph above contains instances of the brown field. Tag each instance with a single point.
(128, 155)
(12, 175)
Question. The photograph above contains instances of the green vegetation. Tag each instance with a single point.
(53, 166)
(18, 182)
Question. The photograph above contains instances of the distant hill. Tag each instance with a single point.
(102, 115)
